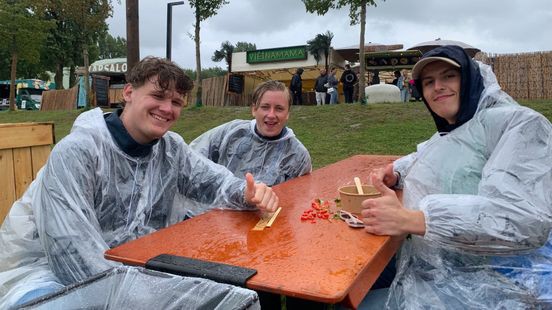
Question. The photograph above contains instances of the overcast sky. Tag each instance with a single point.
(495, 26)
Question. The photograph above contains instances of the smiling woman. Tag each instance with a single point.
(271, 105)
(264, 146)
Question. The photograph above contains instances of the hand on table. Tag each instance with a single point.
(260, 195)
(386, 215)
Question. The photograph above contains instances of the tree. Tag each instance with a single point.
(244, 47)
(60, 49)
(20, 22)
(203, 9)
(357, 14)
(88, 18)
(321, 44)
(206, 73)
(110, 47)
(226, 50)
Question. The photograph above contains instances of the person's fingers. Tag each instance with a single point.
(272, 206)
(250, 189)
(382, 188)
(266, 196)
(376, 173)
(366, 212)
(250, 182)
(372, 229)
(369, 221)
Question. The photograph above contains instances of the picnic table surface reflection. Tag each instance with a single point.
(326, 261)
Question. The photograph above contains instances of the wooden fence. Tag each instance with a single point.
(63, 99)
(523, 76)
(214, 92)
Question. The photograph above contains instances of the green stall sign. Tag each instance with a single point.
(277, 54)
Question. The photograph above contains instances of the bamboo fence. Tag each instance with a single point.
(524, 76)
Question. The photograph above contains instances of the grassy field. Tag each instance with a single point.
(330, 133)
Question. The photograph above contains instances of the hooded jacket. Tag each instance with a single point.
(484, 189)
(239, 148)
(91, 196)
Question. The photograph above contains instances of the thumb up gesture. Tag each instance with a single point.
(386, 215)
(260, 195)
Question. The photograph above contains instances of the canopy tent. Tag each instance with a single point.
(425, 47)
(350, 53)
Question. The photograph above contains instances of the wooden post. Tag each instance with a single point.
(133, 33)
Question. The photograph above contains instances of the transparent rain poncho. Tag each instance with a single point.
(236, 146)
(485, 189)
(91, 196)
(138, 288)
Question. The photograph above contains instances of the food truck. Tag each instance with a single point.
(28, 95)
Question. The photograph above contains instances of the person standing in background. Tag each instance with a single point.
(399, 82)
(404, 89)
(348, 79)
(332, 86)
(319, 87)
(296, 87)
(414, 93)
(375, 77)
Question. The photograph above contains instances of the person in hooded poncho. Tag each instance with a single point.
(477, 197)
(263, 146)
(113, 179)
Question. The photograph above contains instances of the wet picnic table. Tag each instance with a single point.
(326, 261)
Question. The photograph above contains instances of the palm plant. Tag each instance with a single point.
(225, 52)
(321, 44)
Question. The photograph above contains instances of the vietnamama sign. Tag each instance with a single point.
(277, 54)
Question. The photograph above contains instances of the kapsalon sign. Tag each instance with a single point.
(108, 66)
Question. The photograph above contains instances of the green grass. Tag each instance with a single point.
(330, 133)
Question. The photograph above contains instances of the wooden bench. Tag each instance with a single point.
(24, 149)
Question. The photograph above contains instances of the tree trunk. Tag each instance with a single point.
(13, 75)
(361, 78)
(198, 58)
(86, 78)
(58, 79)
(133, 37)
(72, 78)
(326, 56)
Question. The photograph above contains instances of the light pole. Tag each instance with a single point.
(169, 25)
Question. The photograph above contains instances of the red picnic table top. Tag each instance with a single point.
(326, 261)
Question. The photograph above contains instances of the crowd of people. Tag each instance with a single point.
(327, 86)
(476, 201)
